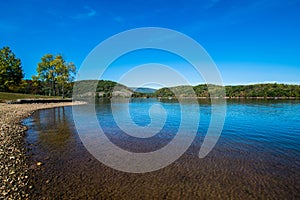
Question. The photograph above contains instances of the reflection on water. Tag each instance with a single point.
(257, 156)
(57, 126)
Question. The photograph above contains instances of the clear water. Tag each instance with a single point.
(257, 155)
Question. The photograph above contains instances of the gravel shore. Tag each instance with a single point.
(14, 172)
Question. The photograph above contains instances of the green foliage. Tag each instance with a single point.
(263, 90)
(11, 72)
(30, 87)
(241, 91)
(164, 92)
(55, 74)
(106, 86)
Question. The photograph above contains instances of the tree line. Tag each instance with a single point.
(54, 75)
(106, 88)
(237, 91)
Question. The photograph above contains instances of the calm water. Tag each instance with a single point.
(256, 157)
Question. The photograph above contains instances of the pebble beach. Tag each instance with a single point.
(14, 169)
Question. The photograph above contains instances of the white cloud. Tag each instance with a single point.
(89, 12)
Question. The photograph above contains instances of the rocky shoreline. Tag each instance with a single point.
(14, 169)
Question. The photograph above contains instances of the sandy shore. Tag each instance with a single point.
(14, 173)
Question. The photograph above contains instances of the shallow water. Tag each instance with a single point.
(256, 157)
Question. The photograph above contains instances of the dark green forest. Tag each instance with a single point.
(242, 91)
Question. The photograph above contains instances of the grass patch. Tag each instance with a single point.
(7, 96)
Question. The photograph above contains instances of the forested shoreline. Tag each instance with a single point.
(273, 90)
(107, 89)
(55, 77)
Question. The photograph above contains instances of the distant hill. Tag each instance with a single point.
(144, 90)
(105, 88)
(108, 89)
(263, 90)
(239, 91)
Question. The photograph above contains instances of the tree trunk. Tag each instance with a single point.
(63, 91)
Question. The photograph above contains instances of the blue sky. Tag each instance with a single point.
(250, 41)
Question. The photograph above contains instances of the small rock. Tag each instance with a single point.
(12, 172)
(39, 163)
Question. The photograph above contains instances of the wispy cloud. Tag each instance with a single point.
(88, 13)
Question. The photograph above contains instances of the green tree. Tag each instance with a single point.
(46, 74)
(36, 85)
(55, 73)
(65, 74)
(11, 72)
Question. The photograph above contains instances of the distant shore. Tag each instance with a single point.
(14, 169)
(271, 98)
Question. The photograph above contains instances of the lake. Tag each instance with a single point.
(256, 157)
